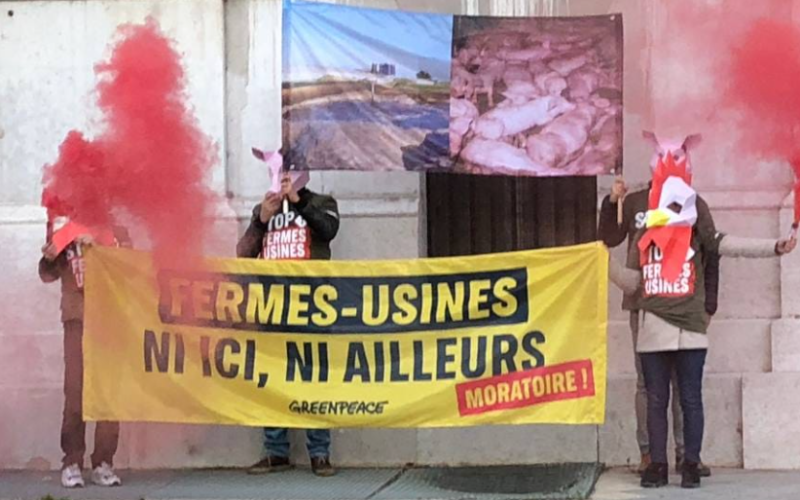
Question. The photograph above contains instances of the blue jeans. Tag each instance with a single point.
(276, 441)
(657, 368)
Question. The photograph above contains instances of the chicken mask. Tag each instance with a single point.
(672, 205)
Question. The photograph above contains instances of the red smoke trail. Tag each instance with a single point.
(753, 54)
(765, 86)
(151, 160)
(696, 69)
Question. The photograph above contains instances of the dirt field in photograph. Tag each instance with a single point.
(348, 126)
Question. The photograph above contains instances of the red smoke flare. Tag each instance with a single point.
(151, 160)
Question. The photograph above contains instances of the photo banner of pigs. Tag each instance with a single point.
(387, 90)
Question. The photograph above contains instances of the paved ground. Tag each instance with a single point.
(724, 484)
(617, 484)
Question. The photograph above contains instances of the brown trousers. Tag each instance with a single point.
(73, 428)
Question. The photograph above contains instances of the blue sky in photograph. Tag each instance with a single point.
(320, 37)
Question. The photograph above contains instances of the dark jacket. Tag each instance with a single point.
(69, 268)
(634, 209)
(318, 213)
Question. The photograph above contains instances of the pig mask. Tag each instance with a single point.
(274, 160)
(672, 208)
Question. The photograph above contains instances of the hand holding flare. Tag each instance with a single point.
(618, 192)
(796, 220)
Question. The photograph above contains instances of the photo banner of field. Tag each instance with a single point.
(382, 90)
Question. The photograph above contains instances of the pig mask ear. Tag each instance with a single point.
(692, 141)
(651, 139)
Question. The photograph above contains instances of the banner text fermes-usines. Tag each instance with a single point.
(344, 304)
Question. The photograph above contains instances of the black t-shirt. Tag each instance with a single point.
(287, 237)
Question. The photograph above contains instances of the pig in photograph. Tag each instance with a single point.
(537, 96)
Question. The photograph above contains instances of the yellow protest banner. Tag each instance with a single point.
(513, 338)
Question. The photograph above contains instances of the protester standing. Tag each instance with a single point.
(293, 224)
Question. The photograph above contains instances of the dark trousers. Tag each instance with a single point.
(73, 428)
(657, 368)
(642, 437)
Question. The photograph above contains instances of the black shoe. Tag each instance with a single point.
(690, 475)
(270, 464)
(655, 476)
(705, 471)
(321, 466)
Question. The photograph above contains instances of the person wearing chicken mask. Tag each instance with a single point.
(614, 232)
(291, 223)
(665, 265)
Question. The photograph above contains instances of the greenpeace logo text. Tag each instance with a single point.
(338, 407)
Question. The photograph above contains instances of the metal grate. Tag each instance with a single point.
(518, 482)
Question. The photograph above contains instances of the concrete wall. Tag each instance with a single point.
(232, 55)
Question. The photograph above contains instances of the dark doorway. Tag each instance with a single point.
(475, 214)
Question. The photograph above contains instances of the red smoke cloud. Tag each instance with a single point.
(151, 160)
(765, 86)
(752, 56)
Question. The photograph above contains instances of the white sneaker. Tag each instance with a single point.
(71, 477)
(104, 475)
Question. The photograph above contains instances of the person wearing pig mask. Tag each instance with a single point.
(666, 267)
(312, 221)
(63, 260)
(612, 233)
